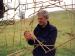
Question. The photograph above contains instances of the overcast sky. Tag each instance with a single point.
(14, 3)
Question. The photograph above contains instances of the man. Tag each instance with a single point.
(45, 33)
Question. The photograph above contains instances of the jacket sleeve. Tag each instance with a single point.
(31, 42)
(53, 36)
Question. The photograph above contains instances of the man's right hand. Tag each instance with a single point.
(28, 35)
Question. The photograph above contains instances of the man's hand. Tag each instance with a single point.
(28, 35)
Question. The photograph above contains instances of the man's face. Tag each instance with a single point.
(42, 20)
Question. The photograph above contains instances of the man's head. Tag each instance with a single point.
(42, 17)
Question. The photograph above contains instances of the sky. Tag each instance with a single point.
(14, 4)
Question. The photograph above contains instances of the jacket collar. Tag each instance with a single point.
(45, 26)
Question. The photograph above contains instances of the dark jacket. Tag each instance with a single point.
(47, 36)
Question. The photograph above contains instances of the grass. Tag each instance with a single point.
(12, 39)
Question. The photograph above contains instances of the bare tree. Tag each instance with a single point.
(22, 15)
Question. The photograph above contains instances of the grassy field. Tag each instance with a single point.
(13, 43)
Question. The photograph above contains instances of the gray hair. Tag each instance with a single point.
(43, 13)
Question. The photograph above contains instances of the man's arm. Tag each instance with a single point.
(53, 36)
(31, 42)
(28, 36)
